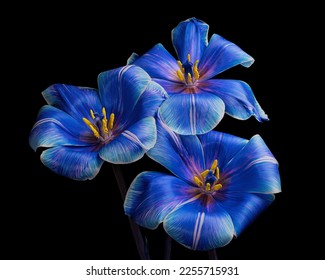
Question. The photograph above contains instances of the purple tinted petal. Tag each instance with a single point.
(254, 169)
(152, 195)
(55, 128)
(190, 114)
(190, 37)
(78, 163)
(76, 101)
(171, 152)
(200, 224)
(221, 55)
(238, 97)
(159, 63)
(171, 87)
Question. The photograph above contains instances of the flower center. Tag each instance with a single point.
(188, 72)
(101, 127)
(208, 179)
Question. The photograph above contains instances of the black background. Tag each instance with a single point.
(45, 216)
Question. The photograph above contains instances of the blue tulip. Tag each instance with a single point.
(83, 127)
(219, 184)
(196, 102)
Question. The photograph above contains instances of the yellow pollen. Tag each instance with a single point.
(208, 186)
(218, 173)
(217, 187)
(180, 75)
(189, 57)
(180, 66)
(205, 173)
(111, 121)
(214, 165)
(197, 181)
(189, 77)
(93, 128)
(92, 114)
(104, 121)
(196, 70)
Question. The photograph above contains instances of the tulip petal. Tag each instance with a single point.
(182, 156)
(132, 143)
(221, 55)
(152, 195)
(190, 37)
(130, 94)
(78, 163)
(254, 169)
(200, 224)
(238, 97)
(159, 63)
(220, 146)
(171, 87)
(76, 101)
(190, 114)
(244, 208)
(55, 127)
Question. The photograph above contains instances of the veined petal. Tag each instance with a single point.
(132, 143)
(238, 97)
(254, 169)
(190, 114)
(78, 163)
(221, 55)
(55, 128)
(182, 156)
(200, 224)
(190, 37)
(76, 101)
(159, 63)
(152, 195)
(121, 89)
(220, 146)
(244, 208)
(133, 57)
(171, 87)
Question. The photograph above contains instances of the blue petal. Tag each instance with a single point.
(244, 208)
(221, 55)
(78, 163)
(220, 146)
(55, 127)
(76, 101)
(190, 37)
(238, 97)
(131, 144)
(181, 155)
(254, 169)
(133, 57)
(130, 94)
(152, 195)
(159, 63)
(190, 114)
(171, 87)
(200, 224)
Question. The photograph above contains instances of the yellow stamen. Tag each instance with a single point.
(218, 173)
(205, 173)
(208, 186)
(214, 165)
(180, 66)
(93, 128)
(189, 77)
(217, 187)
(196, 70)
(104, 121)
(197, 181)
(189, 57)
(111, 121)
(92, 114)
(180, 75)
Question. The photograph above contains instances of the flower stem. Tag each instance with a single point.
(168, 247)
(137, 235)
(212, 254)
